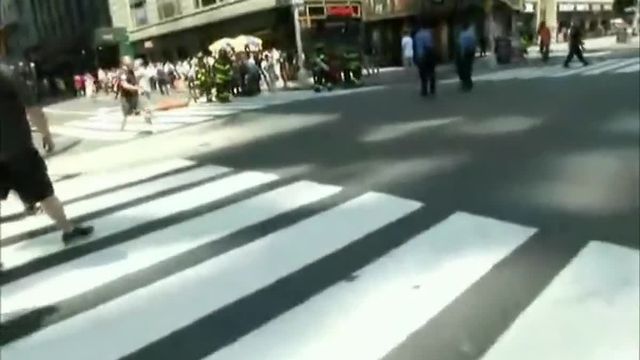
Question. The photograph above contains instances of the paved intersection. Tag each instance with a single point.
(226, 264)
(499, 224)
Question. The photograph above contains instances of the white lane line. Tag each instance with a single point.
(629, 69)
(26, 251)
(387, 300)
(500, 75)
(88, 184)
(582, 69)
(150, 313)
(114, 198)
(89, 272)
(93, 134)
(589, 312)
(615, 65)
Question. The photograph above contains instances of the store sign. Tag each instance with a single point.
(529, 7)
(582, 7)
(596, 7)
(343, 11)
(607, 7)
(566, 7)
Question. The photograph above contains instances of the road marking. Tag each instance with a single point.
(616, 64)
(87, 206)
(629, 69)
(592, 67)
(155, 311)
(589, 312)
(88, 184)
(388, 299)
(92, 271)
(45, 245)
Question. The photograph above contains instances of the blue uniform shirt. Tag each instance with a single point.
(422, 42)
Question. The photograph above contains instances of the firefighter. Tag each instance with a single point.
(321, 76)
(352, 67)
(223, 69)
(203, 78)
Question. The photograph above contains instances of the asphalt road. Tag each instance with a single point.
(560, 154)
(194, 261)
(557, 154)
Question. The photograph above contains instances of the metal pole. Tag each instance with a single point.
(303, 77)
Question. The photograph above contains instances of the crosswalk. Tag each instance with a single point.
(199, 261)
(609, 66)
(105, 125)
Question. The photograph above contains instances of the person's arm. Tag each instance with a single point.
(35, 115)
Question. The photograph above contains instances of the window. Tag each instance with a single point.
(168, 9)
(209, 2)
(139, 12)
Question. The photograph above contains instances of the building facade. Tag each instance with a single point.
(58, 35)
(173, 29)
(17, 32)
(594, 16)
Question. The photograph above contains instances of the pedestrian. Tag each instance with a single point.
(130, 91)
(78, 84)
(89, 85)
(425, 58)
(545, 40)
(575, 45)
(22, 168)
(407, 50)
(223, 69)
(465, 55)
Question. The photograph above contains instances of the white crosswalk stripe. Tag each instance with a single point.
(610, 66)
(178, 244)
(106, 125)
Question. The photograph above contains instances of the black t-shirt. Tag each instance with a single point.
(130, 78)
(15, 131)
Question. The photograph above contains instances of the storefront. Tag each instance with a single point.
(335, 24)
(594, 18)
(274, 27)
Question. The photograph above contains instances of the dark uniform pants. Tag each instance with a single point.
(575, 50)
(427, 72)
(465, 69)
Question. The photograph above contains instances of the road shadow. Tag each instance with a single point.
(539, 152)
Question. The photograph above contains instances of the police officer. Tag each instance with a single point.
(223, 70)
(352, 67)
(22, 168)
(203, 78)
(321, 77)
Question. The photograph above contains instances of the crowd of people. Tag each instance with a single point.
(251, 72)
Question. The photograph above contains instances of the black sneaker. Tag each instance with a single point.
(76, 234)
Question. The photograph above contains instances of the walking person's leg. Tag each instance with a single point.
(470, 59)
(431, 73)
(28, 177)
(423, 75)
(569, 56)
(580, 56)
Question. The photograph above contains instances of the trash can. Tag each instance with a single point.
(503, 50)
(622, 36)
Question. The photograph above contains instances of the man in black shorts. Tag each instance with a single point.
(130, 94)
(22, 169)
